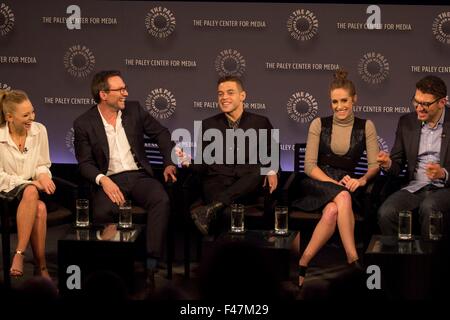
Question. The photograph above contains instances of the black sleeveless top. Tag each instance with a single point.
(348, 161)
(315, 194)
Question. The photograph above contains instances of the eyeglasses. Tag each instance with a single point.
(425, 105)
(121, 90)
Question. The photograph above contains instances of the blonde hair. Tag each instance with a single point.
(340, 81)
(8, 101)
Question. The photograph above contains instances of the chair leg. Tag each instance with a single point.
(170, 233)
(187, 225)
(170, 251)
(187, 252)
(6, 245)
(199, 239)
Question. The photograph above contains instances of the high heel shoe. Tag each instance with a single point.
(16, 272)
(301, 271)
(356, 266)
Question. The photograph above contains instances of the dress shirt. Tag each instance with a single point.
(429, 151)
(18, 167)
(120, 154)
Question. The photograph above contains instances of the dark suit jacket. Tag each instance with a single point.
(406, 146)
(248, 121)
(91, 144)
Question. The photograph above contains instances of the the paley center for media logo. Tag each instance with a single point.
(373, 68)
(6, 19)
(302, 25)
(79, 61)
(230, 62)
(441, 27)
(302, 107)
(160, 103)
(160, 22)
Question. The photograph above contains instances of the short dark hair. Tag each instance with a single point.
(100, 82)
(432, 85)
(235, 79)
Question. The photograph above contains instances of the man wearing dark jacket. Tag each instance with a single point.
(234, 170)
(109, 147)
(423, 143)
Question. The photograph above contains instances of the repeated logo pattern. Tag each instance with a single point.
(230, 62)
(302, 25)
(160, 22)
(302, 107)
(6, 19)
(441, 27)
(373, 68)
(79, 61)
(161, 103)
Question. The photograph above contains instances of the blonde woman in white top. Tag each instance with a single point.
(24, 171)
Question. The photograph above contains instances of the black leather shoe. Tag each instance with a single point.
(150, 280)
(301, 270)
(203, 216)
(356, 266)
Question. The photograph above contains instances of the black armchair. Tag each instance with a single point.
(60, 209)
(365, 215)
(258, 213)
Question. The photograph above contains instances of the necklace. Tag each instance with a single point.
(17, 138)
(20, 142)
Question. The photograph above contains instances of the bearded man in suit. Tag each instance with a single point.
(422, 142)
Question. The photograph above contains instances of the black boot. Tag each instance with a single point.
(203, 216)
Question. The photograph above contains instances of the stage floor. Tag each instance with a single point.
(327, 266)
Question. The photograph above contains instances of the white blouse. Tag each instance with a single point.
(17, 168)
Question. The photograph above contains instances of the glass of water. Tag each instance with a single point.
(237, 218)
(82, 214)
(281, 220)
(125, 215)
(405, 225)
(436, 225)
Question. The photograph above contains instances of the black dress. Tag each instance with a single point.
(17, 192)
(316, 194)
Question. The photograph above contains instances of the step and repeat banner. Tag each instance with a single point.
(172, 53)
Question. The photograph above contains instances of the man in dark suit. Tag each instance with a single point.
(109, 147)
(229, 178)
(423, 143)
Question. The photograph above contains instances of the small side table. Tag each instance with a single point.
(277, 248)
(412, 269)
(93, 249)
